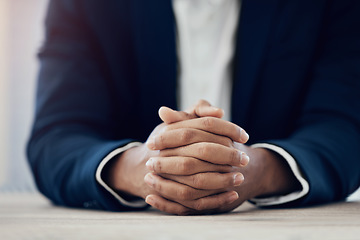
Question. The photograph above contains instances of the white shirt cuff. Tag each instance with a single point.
(111, 155)
(276, 200)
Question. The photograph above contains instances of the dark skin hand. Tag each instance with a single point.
(196, 163)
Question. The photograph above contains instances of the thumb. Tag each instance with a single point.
(169, 115)
(204, 109)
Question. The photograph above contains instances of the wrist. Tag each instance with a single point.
(277, 177)
(119, 173)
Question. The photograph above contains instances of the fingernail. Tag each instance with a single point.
(150, 200)
(244, 137)
(232, 197)
(150, 164)
(244, 159)
(151, 143)
(238, 179)
(149, 179)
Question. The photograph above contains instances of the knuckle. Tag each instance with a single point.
(208, 122)
(234, 157)
(187, 135)
(187, 165)
(157, 185)
(221, 202)
(204, 149)
(160, 141)
(199, 205)
(197, 180)
(185, 194)
(157, 166)
(165, 128)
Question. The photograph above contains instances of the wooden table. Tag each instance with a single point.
(31, 216)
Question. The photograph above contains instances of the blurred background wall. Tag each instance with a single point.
(21, 34)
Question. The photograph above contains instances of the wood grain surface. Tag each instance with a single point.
(31, 216)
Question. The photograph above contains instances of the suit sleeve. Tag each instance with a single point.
(326, 143)
(74, 126)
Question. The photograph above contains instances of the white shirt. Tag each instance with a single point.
(206, 31)
(206, 38)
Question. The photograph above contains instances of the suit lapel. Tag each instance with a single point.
(255, 24)
(156, 46)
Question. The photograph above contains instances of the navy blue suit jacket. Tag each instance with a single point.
(107, 66)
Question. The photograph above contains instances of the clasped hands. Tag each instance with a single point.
(195, 163)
